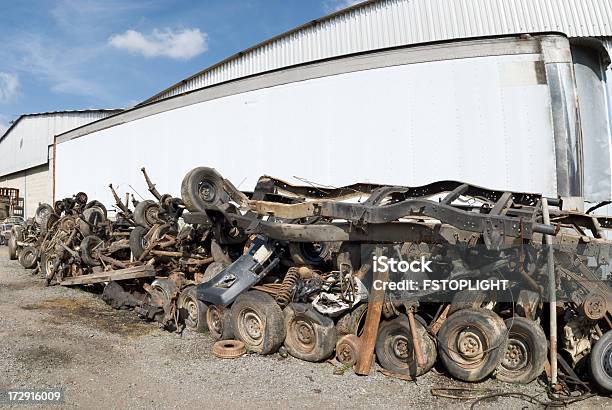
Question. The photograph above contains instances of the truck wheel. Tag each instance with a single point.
(90, 248)
(90, 219)
(99, 205)
(41, 212)
(601, 363)
(347, 349)
(47, 266)
(310, 335)
(192, 310)
(525, 353)
(258, 321)
(28, 257)
(12, 247)
(138, 242)
(218, 321)
(202, 189)
(310, 253)
(351, 323)
(146, 213)
(395, 350)
(472, 343)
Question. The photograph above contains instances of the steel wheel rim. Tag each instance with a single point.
(516, 356)
(215, 322)
(304, 334)
(606, 360)
(192, 312)
(207, 191)
(251, 327)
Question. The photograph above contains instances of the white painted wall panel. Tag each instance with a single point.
(33, 185)
(25, 145)
(485, 120)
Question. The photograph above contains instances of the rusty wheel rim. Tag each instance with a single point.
(401, 348)
(207, 191)
(470, 346)
(191, 306)
(251, 327)
(152, 215)
(215, 320)
(304, 334)
(516, 356)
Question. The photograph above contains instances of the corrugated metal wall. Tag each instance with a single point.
(25, 144)
(387, 23)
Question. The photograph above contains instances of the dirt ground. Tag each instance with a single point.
(103, 358)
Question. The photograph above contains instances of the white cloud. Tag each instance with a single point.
(180, 44)
(9, 85)
(335, 5)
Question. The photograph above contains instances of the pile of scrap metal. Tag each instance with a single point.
(294, 266)
(300, 273)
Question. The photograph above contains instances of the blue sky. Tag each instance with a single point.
(78, 54)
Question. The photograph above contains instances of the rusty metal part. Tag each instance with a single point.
(228, 349)
(285, 293)
(151, 185)
(416, 343)
(370, 330)
(439, 321)
(552, 296)
(347, 349)
(595, 306)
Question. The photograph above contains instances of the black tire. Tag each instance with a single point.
(89, 245)
(467, 299)
(526, 352)
(192, 311)
(601, 363)
(43, 210)
(146, 213)
(202, 189)
(47, 263)
(219, 322)
(138, 243)
(310, 253)
(90, 219)
(351, 323)
(97, 204)
(28, 257)
(258, 321)
(310, 335)
(472, 343)
(395, 349)
(12, 243)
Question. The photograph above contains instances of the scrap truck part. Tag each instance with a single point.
(472, 343)
(243, 273)
(310, 335)
(526, 352)
(257, 320)
(396, 350)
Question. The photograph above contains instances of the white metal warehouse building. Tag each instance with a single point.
(508, 94)
(26, 152)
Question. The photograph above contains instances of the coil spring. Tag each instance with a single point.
(285, 293)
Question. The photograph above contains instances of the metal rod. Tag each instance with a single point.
(552, 295)
(416, 343)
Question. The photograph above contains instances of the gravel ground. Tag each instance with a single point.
(103, 358)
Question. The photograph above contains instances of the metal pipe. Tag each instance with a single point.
(416, 343)
(552, 295)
